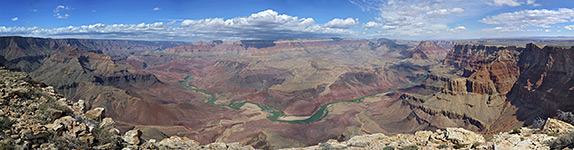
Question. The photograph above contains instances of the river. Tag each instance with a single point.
(277, 115)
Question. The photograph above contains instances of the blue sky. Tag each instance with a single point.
(193, 20)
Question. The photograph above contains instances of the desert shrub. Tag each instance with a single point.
(475, 145)
(53, 104)
(412, 147)
(515, 131)
(67, 142)
(565, 116)
(442, 146)
(5, 123)
(389, 148)
(104, 136)
(538, 123)
(564, 141)
(6, 144)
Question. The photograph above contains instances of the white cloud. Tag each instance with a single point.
(156, 9)
(342, 24)
(458, 29)
(442, 12)
(547, 30)
(416, 18)
(60, 11)
(570, 27)
(34, 10)
(532, 2)
(539, 18)
(14, 19)
(262, 25)
(503, 29)
(372, 24)
(511, 3)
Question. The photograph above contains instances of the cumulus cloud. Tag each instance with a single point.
(442, 12)
(503, 29)
(14, 19)
(262, 25)
(60, 11)
(458, 29)
(414, 18)
(156, 9)
(372, 24)
(511, 3)
(570, 27)
(538, 18)
(342, 24)
(532, 2)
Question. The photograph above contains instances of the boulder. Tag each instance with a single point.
(79, 106)
(54, 113)
(462, 137)
(176, 142)
(22, 92)
(362, 141)
(133, 137)
(107, 123)
(556, 126)
(95, 114)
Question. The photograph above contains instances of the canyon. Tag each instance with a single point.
(260, 92)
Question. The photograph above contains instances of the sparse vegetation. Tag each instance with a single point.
(411, 147)
(6, 144)
(564, 141)
(442, 146)
(49, 106)
(565, 116)
(103, 136)
(389, 148)
(538, 123)
(516, 131)
(5, 123)
(474, 145)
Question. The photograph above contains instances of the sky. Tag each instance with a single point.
(231, 20)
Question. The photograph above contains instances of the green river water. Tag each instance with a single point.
(276, 114)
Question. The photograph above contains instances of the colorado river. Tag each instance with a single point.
(279, 116)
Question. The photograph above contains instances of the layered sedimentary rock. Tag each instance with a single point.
(222, 91)
(546, 82)
(470, 89)
(429, 49)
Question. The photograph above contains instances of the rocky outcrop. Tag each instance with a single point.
(546, 82)
(35, 117)
(557, 126)
(457, 138)
(488, 69)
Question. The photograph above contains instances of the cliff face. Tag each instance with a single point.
(429, 49)
(487, 69)
(263, 47)
(546, 81)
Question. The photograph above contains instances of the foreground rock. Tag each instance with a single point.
(34, 117)
(555, 134)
